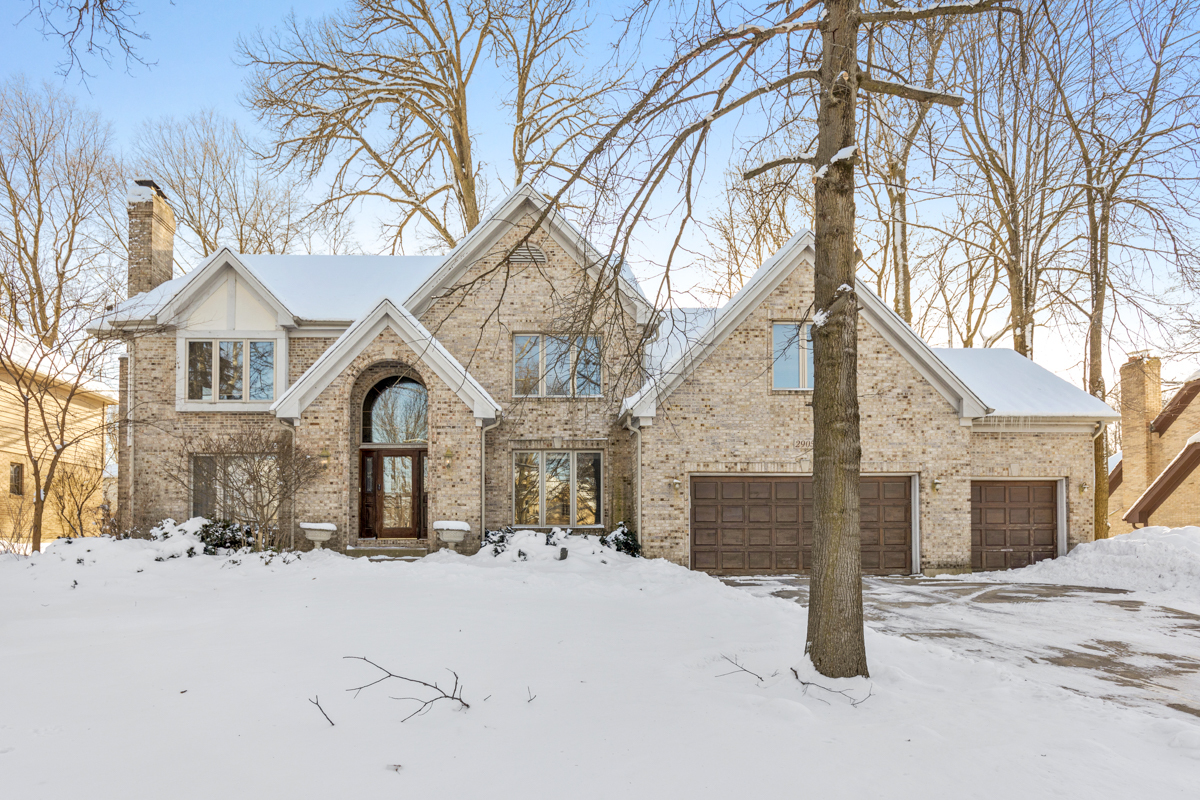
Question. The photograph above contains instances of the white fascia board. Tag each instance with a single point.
(429, 351)
(913, 348)
(1039, 424)
(202, 278)
(481, 238)
(760, 286)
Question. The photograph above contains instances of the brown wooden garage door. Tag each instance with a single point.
(761, 525)
(1013, 523)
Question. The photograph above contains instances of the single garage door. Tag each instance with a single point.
(761, 525)
(1013, 523)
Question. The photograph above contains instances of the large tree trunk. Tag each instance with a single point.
(835, 618)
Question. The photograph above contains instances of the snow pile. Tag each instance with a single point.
(1158, 560)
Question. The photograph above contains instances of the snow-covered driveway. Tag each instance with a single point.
(1100, 642)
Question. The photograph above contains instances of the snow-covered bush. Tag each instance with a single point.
(621, 539)
(216, 538)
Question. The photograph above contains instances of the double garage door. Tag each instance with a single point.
(762, 525)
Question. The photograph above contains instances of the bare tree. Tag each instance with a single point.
(76, 496)
(756, 218)
(250, 477)
(221, 193)
(57, 178)
(379, 97)
(891, 129)
(89, 27)
(1015, 167)
(783, 60)
(1125, 84)
(58, 175)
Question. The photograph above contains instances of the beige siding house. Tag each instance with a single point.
(470, 388)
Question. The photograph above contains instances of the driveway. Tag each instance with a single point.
(1098, 642)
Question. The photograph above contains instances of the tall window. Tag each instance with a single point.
(241, 369)
(16, 479)
(396, 411)
(556, 488)
(791, 362)
(554, 366)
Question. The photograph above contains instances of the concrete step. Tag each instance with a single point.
(387, 553)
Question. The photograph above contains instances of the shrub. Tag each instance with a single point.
(623, 540)
(225, 536)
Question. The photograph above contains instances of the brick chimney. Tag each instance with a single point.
(151, 237)
(1141, 401)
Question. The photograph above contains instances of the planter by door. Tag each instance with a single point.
(393, 494)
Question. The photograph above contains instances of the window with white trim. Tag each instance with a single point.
(554, 366)
(791, 355)
(557, 487)
(230, 369)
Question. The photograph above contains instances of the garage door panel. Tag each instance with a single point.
(761, 524)
(759, 537)
(733, 537)
(758, 513)
(1013, 523)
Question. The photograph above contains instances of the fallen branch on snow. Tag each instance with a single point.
(853, 702)
(454, 694)
(316, 701)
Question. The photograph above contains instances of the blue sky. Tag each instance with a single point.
(192, 50)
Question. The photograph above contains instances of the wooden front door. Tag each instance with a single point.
(392, 504)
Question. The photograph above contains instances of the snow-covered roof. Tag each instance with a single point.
(1015, 386)
(1115, 459)
(29, 359)
(339, 287)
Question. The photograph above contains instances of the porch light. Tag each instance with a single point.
(324, 458)
(448, 459)
(1083, 487)
(936, 484)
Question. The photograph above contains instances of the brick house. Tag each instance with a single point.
(1154, 480)
(469, 388)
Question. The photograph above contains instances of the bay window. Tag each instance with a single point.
(241, 369)
(559, 488)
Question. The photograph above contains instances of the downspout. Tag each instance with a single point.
(637, 472)
(483, 429)
(128, 355)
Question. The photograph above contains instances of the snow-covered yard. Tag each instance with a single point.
(599, 676)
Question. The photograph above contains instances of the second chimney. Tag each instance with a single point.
(151, 237)
(1141, 400)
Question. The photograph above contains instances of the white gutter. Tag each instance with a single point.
(637, 473)
(483, 429)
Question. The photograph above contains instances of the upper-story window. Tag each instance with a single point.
(554, 366)
(230, 369)
(791, 362)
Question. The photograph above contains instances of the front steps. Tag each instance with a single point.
(390, 549)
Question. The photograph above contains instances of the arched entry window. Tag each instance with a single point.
(396, 411)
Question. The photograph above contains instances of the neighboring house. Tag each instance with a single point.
(1155, 479)
(79, 476)
(449, 388)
